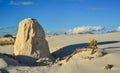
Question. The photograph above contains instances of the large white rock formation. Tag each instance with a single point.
(30, 44)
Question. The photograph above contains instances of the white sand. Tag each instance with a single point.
(3, 64)
(64, 44)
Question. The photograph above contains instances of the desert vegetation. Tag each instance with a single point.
(79, 56)
(67, 58)
(93, 45)
(9, 41)
(90, 33)
(7, 36)
(91, 51)
(55, 34)
(108, 66)
(6, 42)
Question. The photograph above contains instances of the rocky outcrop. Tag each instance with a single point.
(30, 44)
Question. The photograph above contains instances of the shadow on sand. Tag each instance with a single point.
(67, 50)
(62, 52)
(20, 60)
(3, 71)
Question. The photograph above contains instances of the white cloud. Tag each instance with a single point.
(21, 3)
(118, 29)
(84, 29)
(27, 3)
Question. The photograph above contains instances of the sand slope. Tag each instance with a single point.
(63, 45)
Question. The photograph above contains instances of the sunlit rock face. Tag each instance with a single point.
(30, 44)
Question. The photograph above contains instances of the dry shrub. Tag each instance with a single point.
(79, 33)
(2, 43)
(55, 34)
(49, 36)
(90, 33)
(7, 36)
(93, 45)
(8, 42)
(108, 66)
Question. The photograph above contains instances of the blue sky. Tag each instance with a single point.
(59, 15)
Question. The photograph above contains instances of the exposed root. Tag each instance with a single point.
(67, 58)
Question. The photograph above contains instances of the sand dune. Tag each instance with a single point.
(64, 45)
